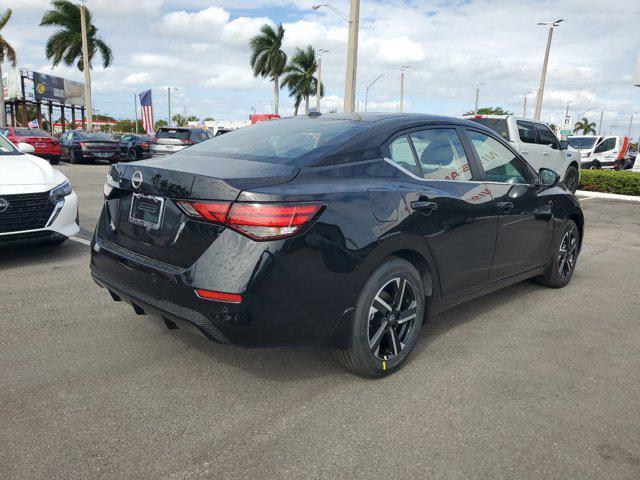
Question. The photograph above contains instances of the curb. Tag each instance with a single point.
(609, 196)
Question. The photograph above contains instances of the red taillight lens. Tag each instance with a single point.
(219, 296)
(263, 221)
(187, 140)
(144, 144)
(83, 145)
(211, 211)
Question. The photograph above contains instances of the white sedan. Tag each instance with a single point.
(36, 200)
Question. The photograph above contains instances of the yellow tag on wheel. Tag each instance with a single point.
(384, 365)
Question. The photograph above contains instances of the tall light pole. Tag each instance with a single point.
(543, 77)
(366, 95)
(352, 52)
(319, 51)
(478, 85)
(169, 104)
(631, 123)
(85, 65)
(600, 124)
(566, 113)
(524, 107)
(402, 69)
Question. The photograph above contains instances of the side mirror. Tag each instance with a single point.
(25, 147)
(564, 144)
(548, 178)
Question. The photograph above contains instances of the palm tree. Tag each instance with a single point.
(300, 77)
(178, 120)
(193, 118)
(585, 126)
(65, 45)
(267, 58)
(6, 51)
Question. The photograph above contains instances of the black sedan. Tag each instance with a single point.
(134, 147)
(342, 230)
(79, 145)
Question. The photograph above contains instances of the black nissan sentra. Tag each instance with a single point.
(342, 230)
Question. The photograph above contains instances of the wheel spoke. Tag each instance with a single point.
(395, 341)
(374, 343)
(407, 315)
(402, 286)
(380, 305)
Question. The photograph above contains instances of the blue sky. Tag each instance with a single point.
(201, 47)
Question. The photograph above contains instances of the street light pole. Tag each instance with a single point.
(402, 69)
(524, 107)
(169, 124)
(600, 124)
(631, 123)
(366, 95)
(544, 67)
(320, 51)
(135, 107)
(478, 85)
(566, 113)
(85, 65)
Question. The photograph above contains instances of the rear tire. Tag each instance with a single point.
(54, 160)
(386, 322)
(563, 261)
(132, 155)
(571, 178)
(73, 159)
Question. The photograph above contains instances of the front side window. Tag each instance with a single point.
(499, 163)
(526, 132)
(402, 155)
(441, 154)
(605, 146)
(547, 137)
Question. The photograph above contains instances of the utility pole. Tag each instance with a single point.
(352, 58)
(566, 113)
(543, 77)
(600, 124)
(135, 107)
(169, 106)
(319, 88)
(85, 65)
(478, 85)
(524, 107)
(402, 69)
(630, 123)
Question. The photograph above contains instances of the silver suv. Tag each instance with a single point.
(173, 139)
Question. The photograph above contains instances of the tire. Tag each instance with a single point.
(380, 340)
(54, 160)
(132, 155)
(571, 178)
(72, 157)
(559, 273)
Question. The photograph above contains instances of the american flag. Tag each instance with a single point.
(146, 109)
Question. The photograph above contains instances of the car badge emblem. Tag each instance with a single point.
(3, 205)
(136, 179)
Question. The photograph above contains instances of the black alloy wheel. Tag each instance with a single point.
(568, 252)
(560, 268)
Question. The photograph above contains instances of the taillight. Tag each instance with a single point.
(83, 145)
(187, 140)
(259, 221)
(262, 221)
(144, 144)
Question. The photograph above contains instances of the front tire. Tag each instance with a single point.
(571, 179)
(55, 160)
(387, 320)
(563, 261)
(132, 155)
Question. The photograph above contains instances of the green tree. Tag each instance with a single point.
(128, 126)
(300, 77)
(193, 118)
(179, 120)
(65, 45)
(6, 52)
(584, 125)
(267, 58)
(490, 111)
(160, 123)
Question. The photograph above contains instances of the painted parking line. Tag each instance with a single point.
(80, 240)
(582, 199)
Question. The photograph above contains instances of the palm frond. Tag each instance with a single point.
(5, 18)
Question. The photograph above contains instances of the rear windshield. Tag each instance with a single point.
(30, 132)
(498, 125)
(96, 136)
(581, 143)
(173, 133)
(281, 141)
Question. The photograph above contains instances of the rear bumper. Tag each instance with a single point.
(96, 155)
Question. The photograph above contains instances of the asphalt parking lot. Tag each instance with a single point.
(527, 382)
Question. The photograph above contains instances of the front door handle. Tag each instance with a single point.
(505, 206)
(424, 206)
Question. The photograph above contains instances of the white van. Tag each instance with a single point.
(537, 143)
(601, 151)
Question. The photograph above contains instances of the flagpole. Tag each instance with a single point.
(135, 107)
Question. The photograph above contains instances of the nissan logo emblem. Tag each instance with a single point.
(3, 205)
(136, 179)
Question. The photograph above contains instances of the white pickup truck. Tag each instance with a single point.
(537, 143)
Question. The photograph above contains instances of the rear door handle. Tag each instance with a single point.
(505, 206)
(546, 154)
(424, 206)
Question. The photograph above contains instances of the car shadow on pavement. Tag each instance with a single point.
(292, 364)
(30, 254)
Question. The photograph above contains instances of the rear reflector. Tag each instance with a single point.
(219, 296)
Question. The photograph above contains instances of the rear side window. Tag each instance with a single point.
(498, 125)
(173, 133)
(440, 154)
(499, 163)
(547, 137)
(526, 132)
(402, 155)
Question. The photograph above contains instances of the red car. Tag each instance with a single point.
(45, 145)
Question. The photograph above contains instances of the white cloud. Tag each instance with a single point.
(137, 78)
